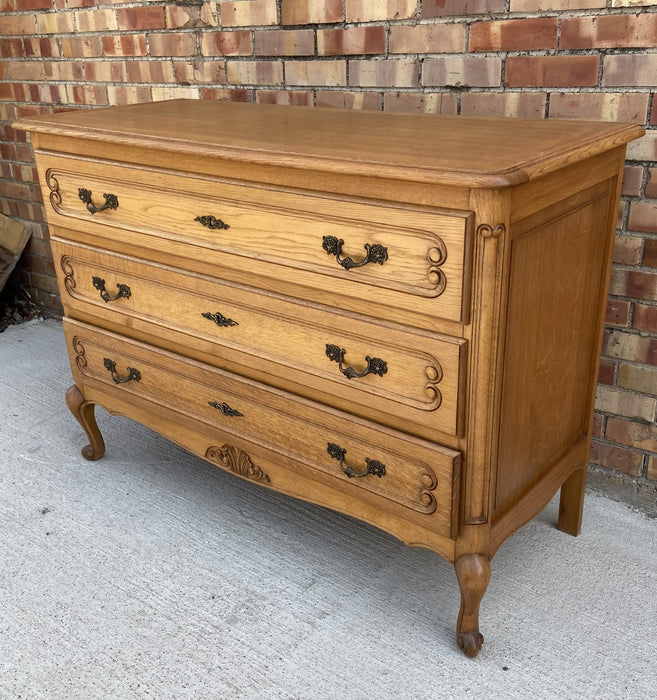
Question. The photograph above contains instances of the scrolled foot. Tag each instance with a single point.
(470, 643)
(473, 574)
(83, 411)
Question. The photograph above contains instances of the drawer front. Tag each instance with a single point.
(358, 249)
(372, 370)
(414, 474)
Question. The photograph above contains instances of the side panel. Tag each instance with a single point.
(556, 280)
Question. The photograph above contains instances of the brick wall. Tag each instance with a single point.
(523, 58)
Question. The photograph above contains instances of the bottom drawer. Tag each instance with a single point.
(373, 462)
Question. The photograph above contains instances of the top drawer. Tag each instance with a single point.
(409, 258)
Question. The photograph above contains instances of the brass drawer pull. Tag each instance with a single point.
(133, 374)
(374, 364)
(219, 319)
(99, 284)
(375, 253)
(212, 222)
(225, 408)
(111, 201)
(373, 466)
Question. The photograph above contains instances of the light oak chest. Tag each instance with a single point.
(395, 316)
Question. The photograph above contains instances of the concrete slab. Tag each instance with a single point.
(152, 574)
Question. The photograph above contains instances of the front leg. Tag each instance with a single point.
(83, 411)
(473, 574)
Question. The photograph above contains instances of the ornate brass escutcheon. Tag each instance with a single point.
(375, 365)
(99, 284)
(133, 374)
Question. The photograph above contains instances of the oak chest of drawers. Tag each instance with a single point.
(395, 316)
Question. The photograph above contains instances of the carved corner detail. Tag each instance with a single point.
(81, 358)
(236, 461)
(488, 231)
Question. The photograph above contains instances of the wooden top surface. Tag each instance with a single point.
(473, 152)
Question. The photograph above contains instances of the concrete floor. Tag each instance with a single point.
(152, 574)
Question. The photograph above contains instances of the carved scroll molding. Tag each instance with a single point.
(53, 186)
(81, 358)
(69, 274)
(236, 461)
(436, 256)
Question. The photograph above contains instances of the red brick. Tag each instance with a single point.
(81, 46)
(639, 435)
(514, 35)
(17, 25)
(320, 73)
(285, 97)
(432, 103)
(629, 346)
(600, 106)
(149, 71)
(200, 72)
(651, 183)
(128, 94)
(607, 372)
(172, 44)
(613, 31)
(525, 105)
(237, 43)
(383, 73)
(96, 20)
(227, 94)
(54, 23)
(636, 284)
(105, 71)
(43, 47)
(638, 378)
(643, 217)
(254, 72)
(632, 70)
(125, 45)
(150, 17)
(87, 94)
(188, 17)
(25, 5)
(652, 468)
(645, 318)
(354, 40)
(644, 148)
(650, 253)
(627, 250)
(446, 8)
(598, 425)
(554, 5)
(377, 10)
(311, 11)
(456, 71)
(632, 180)
(348, 100)
(551, 71)
(175, 92)
(282, 42)
(13, 48)
(653, 111)
(618, 313)
(619, 458)
(427, 38)
(253, 13)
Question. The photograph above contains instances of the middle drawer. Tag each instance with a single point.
(407, 379)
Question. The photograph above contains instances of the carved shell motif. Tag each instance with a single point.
(236, 461)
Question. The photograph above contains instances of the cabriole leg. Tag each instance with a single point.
(571, 503)
(83, 411)
(473, 574)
